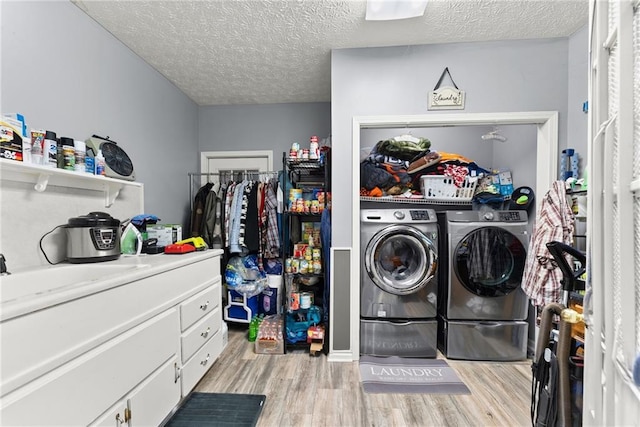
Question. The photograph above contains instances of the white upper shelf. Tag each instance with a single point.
(42, 176)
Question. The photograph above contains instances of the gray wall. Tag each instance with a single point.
(497, 77)
(262, 127)
(65, 73)
(578, 83)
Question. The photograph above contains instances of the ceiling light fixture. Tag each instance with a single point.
(387, 10)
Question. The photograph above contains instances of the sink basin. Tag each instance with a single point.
(57, 278)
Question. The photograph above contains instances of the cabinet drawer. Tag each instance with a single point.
(199, 305)
(77, 392)
(200, 363)
(45, 339)
(198, 334)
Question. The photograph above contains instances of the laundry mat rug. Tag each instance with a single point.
(408, 375)
(218, 410)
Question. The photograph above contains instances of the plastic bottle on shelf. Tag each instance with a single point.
(100, 163)
(50, 150)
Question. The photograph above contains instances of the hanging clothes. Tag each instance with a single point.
(236, 217)
(240, 217)
(252, 227)
(272, 234)
(555, 222)
(198, 211)
(227, 213)
(209, 217)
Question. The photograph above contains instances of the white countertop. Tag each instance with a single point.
(25, 291)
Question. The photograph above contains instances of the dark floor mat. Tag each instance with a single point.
(218, 410)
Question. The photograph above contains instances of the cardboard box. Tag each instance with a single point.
(165, 233)
(265, 346)
(315, 337)
(10, 142)
(506, 183)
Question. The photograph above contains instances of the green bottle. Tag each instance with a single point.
(253, 329)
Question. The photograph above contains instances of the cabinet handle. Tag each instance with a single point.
(205, 333)
(204, 306)
(127, 415)
(118, 420)
(177, 372)
(205, 361)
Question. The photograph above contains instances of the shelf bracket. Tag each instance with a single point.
(111, 193)
(42, 182)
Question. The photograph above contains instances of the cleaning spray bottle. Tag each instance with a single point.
(100, 163)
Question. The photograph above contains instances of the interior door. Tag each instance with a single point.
(612, 300)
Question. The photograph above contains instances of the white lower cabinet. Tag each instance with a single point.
(195, 368)
(148, 403)
(76, 392)
(201, 337)
(136, 368)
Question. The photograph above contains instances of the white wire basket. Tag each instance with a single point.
(442, 188)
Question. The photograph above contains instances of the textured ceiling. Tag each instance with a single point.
(264, 51)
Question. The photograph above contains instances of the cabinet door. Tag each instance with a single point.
(153, 400)
(81, 390)
(114, 417)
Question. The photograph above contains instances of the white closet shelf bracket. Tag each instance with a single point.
(41, 182)
(111, 193)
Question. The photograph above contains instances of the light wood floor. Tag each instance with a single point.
(309, 391)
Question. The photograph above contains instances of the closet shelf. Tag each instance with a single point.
(415, 201)
(303, 164)
(303, 213)
(42, 177)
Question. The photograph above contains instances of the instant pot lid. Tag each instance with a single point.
(93, 219)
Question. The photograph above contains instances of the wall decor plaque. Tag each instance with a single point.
(446, 97)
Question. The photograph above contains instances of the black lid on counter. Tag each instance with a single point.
(93, 219)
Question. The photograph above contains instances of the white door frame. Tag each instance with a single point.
(547, 172)
(206, 155)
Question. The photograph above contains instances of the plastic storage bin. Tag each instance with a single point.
(442, 188)
(240, 308)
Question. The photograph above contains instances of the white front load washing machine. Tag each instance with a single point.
(398, 285)
(483, 308)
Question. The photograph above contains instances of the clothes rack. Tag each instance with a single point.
(232, 175)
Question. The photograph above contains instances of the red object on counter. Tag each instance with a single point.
(179, 249)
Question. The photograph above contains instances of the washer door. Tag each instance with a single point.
(490, 261)
(400, 259)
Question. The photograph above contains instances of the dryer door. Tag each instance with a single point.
(489, 261)
(400, 259)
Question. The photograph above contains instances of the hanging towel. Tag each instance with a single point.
(541, 278)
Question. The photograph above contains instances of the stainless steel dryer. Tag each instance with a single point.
(398, 304)
(483, 308)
